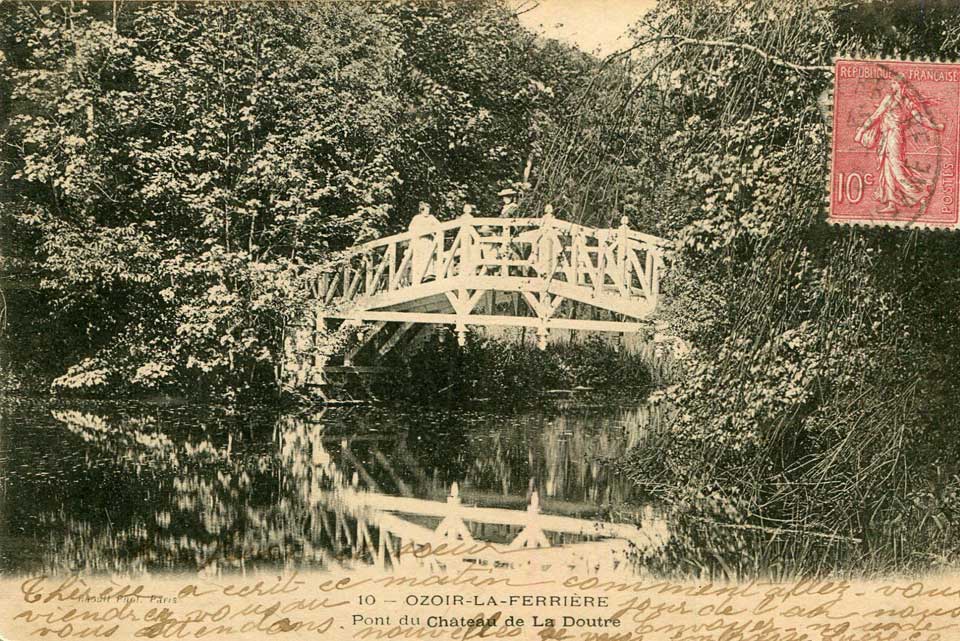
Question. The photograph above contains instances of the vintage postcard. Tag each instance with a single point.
(597, 320)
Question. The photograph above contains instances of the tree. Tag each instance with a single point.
(176, 166)
(819, 394)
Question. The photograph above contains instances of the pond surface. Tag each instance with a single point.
(128, 487)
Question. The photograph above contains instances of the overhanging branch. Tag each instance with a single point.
(683, 41)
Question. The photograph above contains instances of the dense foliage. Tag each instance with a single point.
(821, 395)
(173, 166)
(512, 371)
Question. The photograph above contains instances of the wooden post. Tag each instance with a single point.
(546, 251)
(601, 261)
(324, 285)
(650, 267)
(391, 257)
(542, 336)
(622, 250)
(438, 254)
(575, 256)
(468, 262)
(534, 506)
(505, 251)
(462, 299)
(655, 275)
(368, 272)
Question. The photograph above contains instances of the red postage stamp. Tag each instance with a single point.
(895, 143)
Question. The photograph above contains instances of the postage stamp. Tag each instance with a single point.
(895, 144)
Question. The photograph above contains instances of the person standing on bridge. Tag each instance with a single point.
(471, 251)
(509, 210)
(424, 226)
(549, 247)
(510, 206)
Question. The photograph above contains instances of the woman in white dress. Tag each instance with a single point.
(425, 225)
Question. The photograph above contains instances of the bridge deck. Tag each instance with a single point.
(538, 273)
(542, 262)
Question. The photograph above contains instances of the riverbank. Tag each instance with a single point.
(438, 371)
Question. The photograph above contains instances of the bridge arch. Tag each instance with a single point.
(541, 273)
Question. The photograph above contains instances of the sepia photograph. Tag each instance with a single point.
(612, 320)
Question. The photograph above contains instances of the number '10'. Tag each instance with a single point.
(850, 186)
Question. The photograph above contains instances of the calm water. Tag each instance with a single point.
(126, 487)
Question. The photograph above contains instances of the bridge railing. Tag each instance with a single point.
(614, 261)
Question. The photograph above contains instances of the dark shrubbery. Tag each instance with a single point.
(510, 372)
(820, 396)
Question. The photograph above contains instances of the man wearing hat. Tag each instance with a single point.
(510, 207)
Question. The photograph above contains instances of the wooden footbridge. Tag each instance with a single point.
(539, 273)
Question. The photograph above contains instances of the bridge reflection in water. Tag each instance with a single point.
(336, 489)
(484, 527)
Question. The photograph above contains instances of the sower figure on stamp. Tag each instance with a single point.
(898, 186)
